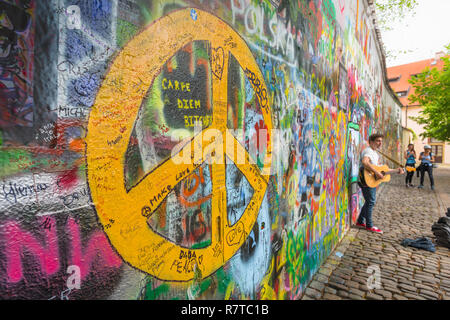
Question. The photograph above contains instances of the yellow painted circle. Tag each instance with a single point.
(123, 213)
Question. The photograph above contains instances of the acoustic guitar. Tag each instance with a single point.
(372, 181)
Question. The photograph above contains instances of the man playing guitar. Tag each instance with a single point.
(369, 162)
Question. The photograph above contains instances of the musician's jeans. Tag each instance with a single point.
(365, 216)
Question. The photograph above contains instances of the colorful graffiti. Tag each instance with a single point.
(182, 149)
(16, 68)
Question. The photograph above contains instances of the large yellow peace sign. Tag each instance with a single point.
(123, 213)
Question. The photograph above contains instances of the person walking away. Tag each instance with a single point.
(369, 161)
(426, 165)
(410, 156)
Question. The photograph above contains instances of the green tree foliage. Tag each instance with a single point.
(393, 10)
(432, 91)
(389, 12)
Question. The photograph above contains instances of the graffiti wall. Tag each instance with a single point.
(182, 149)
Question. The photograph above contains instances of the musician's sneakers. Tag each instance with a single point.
(361, 225)
(374, 229)
(411, 185)
(420, 187)
(432, 187)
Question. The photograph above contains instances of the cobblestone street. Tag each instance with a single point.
(404, 273)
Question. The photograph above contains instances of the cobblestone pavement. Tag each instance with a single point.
(394, 272)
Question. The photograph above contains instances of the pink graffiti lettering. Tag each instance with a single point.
(18, 241)
(97, 246)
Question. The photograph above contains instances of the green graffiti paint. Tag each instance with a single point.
(153, 294)
(125, 31)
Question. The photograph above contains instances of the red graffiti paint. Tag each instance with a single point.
(318, 16)
(68, 179)
(188, 188)
(60, 144)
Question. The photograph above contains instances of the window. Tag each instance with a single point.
(438, 152)
(394, 79)
(402, 93)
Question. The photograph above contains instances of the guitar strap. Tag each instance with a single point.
(361, 180)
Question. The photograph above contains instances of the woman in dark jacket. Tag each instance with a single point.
(426, 165)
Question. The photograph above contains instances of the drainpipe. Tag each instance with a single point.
(406, 118)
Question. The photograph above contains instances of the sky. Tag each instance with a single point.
(424, 33)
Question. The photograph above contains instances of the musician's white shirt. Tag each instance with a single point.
(372, 154)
